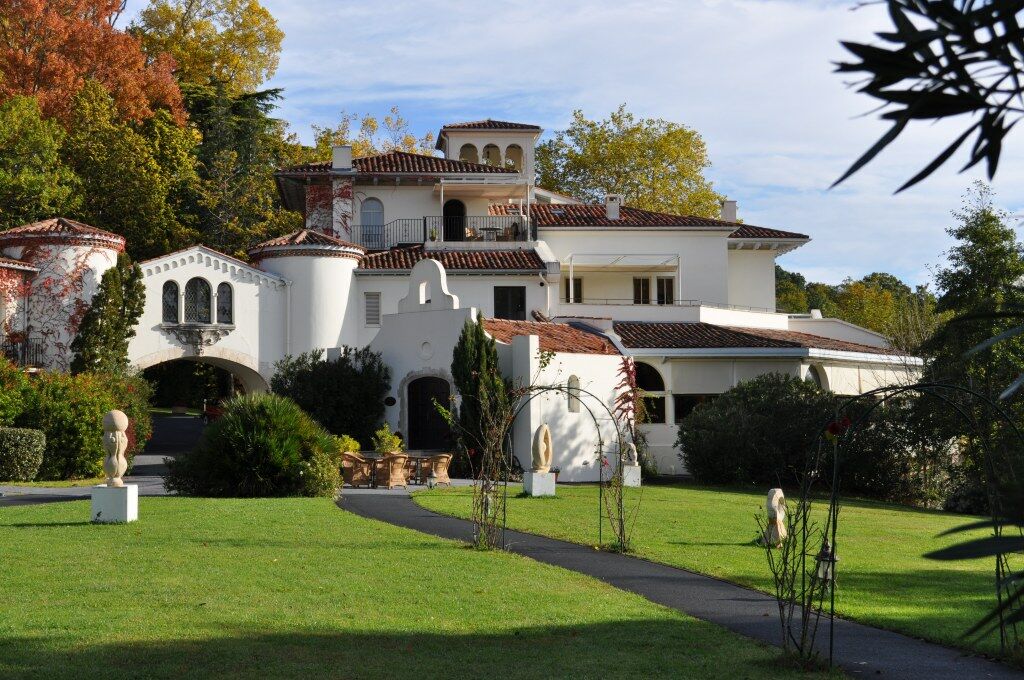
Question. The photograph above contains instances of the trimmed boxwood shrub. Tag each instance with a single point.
(21, 453)
(263, 445)
(69, 409)
(759, 432)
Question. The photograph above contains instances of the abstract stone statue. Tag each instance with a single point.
(631, 455)
(542, 449)
(775, 506)
(115, 442)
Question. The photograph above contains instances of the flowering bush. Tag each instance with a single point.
(263, 445)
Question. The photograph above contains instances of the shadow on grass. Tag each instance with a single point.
(46, 525)
(627, 649)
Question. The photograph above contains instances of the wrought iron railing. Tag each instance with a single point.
(28, 352)
(468, 228)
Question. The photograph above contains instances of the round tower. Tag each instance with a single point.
(71, 258)
(321, 271)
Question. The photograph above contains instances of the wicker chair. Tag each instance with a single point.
(356, 470)
(438, 465)
(391, 470)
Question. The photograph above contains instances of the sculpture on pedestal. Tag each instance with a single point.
(115, 443)
(542, 449)
(775, 506)
(631, 455)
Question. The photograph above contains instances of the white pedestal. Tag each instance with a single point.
(630, 475)
(539, 483)
(115, 504)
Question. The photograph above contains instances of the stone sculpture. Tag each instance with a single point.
(631, 455)
(542, 449)
(775, 506)
(115, 443)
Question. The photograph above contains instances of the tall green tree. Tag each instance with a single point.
(657, 164)
(479, 382)
(101, 344)
(124, 187)
(34, 183)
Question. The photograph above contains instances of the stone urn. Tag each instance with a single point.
(115, 443)
(542, 449)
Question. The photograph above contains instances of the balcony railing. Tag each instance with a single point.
(448, 228)
(24, 353)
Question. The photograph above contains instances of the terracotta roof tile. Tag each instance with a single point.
(554, 337)
(692, 335)
(593, 215)
(400, 162)
(59, 225)
(305, 237)
(489, 124)
(458, 260)
(11, 263)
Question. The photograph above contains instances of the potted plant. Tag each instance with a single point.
(433, 233)
(385, 441)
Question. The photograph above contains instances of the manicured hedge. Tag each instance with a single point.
(21, 453)
(13, 388)
(263, 445)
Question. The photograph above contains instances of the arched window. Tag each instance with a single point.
(371, 220)
(197, 301)
(468, 153)
(573, 385)
(225, 304)
(514, 157)
(492, 155)
(170, 302)
(653, 385)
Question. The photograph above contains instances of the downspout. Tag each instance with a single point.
(288, 318)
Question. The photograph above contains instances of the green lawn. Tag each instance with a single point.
(59, 483)
(297, 588)
(882, 578)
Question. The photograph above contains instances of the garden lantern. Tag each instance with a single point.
(826, 560)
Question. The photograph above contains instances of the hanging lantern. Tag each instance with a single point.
(826, 560)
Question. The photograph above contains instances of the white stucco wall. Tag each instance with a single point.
(260, 331)
(838, 329)
(752, 279)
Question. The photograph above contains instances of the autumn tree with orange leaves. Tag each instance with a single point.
(50, 48)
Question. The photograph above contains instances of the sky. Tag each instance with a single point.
(753, 77)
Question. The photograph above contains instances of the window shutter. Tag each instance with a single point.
(372, 301)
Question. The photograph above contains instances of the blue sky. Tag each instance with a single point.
(754, 77)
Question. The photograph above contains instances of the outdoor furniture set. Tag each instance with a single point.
(394, 469)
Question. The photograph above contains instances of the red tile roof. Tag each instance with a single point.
(305, 237)
(593, 215)
(400, 162)
(489, 124)
(60, 226)
(692, 335)
(458, 260)
(11, 263)
(554, 337)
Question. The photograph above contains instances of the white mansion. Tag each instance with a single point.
(399, 250)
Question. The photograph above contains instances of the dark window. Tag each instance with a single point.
(641, 291)
(170, 298)
(577, 290)
(197, 301)
(225, 304)
(685, 403)
(666, 290)
(510, 302)
(654, 410)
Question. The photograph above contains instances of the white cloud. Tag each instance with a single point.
(753, 76)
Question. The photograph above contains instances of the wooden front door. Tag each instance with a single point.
(427, 429)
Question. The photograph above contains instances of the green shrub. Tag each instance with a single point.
(347, 444)
(386, 441)
(759, 432)
(69, 409)
(21, 453)
(13, 388)
(345, 395)
(263, 445)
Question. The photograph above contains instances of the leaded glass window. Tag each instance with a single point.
(197, 301)
(170, 302)
(225, 306)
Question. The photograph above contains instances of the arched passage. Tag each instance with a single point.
(241, 367)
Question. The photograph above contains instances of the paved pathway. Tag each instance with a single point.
(860, 650)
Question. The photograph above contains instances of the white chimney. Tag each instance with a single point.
(815, 313)
(612, 203)
(341, 158)
(729, 211)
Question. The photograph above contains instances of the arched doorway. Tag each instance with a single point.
(427, 429)
(454, 212)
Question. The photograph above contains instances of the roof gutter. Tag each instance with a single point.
(670, 353)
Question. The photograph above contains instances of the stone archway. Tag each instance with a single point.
(241, 366)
